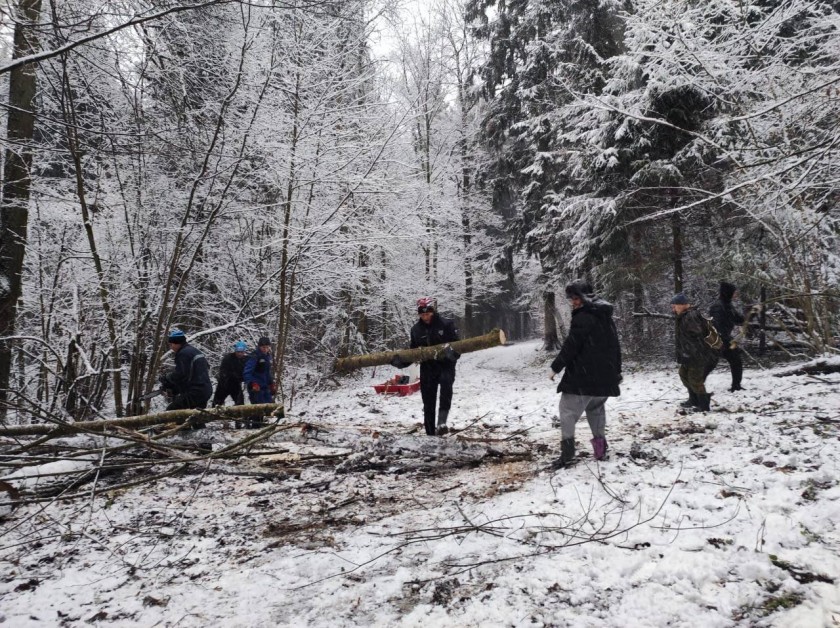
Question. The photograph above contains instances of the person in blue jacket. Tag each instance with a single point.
(259, 381)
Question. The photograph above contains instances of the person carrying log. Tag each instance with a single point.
(259, 379)
(189, 384)
(229, 383)
(433, 329)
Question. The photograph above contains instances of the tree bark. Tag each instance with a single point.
(550, 339)
(134, 422)
(421, 354)
(676, 232)
(14, 207)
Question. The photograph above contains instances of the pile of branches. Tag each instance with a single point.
(64, 461)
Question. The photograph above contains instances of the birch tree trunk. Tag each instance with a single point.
(135, 422)
(421, 354)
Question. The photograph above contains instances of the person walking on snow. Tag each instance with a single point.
(229, 383)
(725, 317)
(433, 329)
(694, 355)
(591, 359)
(189, 384)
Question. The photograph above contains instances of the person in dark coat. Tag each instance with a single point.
(725, 318)
(693, 353)
(230, 379)
(433, 329)
(591, 359)
(189, 384)
(257, 374)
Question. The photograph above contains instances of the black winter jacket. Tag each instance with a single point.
(191, 374)
(691, 330)
(591, 354)
(725, 317)
(439, 331)
(230, 371)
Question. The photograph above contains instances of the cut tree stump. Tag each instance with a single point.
(421, 354)
(134, 422)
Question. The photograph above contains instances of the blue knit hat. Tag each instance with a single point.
(177, 336)
(240, 346)
(679, 299)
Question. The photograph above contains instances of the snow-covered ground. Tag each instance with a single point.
(723, 519)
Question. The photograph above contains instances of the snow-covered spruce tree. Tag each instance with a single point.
(759, 148)
(541, 54)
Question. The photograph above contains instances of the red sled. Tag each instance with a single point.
(397, 389)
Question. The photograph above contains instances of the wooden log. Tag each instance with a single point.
(134, 422)
(421, 354)
(818, 368)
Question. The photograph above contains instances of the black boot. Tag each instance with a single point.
(691, 402)
(442, 429)
(703, 401)
(567, 453)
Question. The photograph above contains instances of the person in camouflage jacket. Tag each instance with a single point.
(693, 354)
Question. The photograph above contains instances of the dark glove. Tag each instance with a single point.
(272, 387)
(450, 354)
(254, 386)
(398, 363)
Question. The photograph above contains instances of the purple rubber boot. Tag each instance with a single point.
(599, 446)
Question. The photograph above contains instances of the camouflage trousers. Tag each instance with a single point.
(693, 378)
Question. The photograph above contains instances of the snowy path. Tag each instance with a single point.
(681, 534)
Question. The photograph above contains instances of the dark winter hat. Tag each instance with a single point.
(580, 288)
(264, 342)
(679, 299)
(727, 291)
(176, 336)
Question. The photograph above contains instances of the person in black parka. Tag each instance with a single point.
(725, 318)
(189, 384)
(229, 383)
(433, 329)
(591, 358)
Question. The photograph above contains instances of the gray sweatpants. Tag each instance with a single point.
(573, 406)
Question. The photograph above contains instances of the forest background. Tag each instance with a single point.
(306, 169)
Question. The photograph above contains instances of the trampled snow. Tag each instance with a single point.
(719, 519)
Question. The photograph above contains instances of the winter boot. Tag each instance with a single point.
(735, 387)
(441, 423)
(703, 401)
(691, 402)
(599, 447)
(567, 454)
(255, 423)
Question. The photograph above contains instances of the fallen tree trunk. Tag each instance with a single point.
(421, 354)
(818, 368)
(134, 422)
